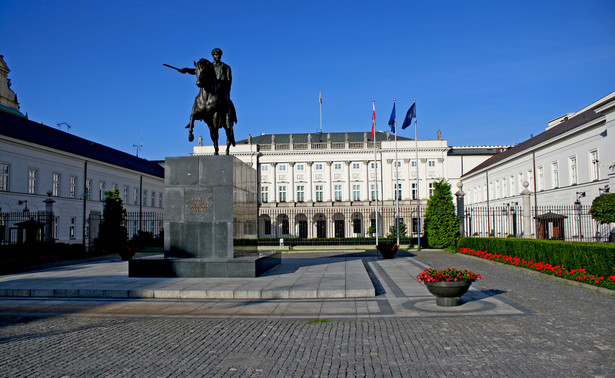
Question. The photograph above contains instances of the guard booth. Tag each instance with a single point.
(29, 232)
(550, 226)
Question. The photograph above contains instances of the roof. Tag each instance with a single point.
(23, 129)
(319, 138)
(565, 126)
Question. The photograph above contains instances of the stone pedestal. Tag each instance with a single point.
(210, 221)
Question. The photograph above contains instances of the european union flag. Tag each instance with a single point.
(393, 120)
(411, 114)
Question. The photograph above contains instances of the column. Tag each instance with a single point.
(291, 197)
(348, 166)
(309, 192)
(275, 182)
(367, 181)
(330, 183)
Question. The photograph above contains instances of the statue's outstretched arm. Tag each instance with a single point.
(191, 71)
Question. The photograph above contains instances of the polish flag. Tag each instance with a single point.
(374, 119)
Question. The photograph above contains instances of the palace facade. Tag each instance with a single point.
(325, 185)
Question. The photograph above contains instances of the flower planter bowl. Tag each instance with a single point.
(387, 251)
(448, 293)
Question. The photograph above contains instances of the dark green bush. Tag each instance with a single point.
(441, 222)
(597, 258)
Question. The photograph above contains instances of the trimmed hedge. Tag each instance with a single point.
(597, 258)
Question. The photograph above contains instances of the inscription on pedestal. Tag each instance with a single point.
(198, 205)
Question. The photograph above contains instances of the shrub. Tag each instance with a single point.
(597, 258)
(603, 208)
(441, 222)
(112, 234)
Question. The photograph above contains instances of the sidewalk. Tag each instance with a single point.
(303, 286)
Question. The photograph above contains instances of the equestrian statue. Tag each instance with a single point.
(213, 104)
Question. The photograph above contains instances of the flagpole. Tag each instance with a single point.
(418, 197)
(320, 101)
(396, 181)
(375, 167)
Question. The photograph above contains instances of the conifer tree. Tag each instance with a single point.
(441, 222)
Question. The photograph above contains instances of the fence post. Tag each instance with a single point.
(527, 211)
(460, 210)
(49, 217)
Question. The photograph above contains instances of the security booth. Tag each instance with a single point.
(29, 232)
(550, 226)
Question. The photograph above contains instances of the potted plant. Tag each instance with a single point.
(127, 251)
(448, 285)
(387, 251)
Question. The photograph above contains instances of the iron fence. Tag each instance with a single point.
(571, 223)
(18, 227)
(146, 221)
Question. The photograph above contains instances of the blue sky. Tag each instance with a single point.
(483, 72)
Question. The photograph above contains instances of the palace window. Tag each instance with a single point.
(555, 172)
(319, 193)
(300, 193)
(282, 193)
(318, 166)
(356, 166)
(541, 178)
(265, 194)
(338, 192)
(55, 184)
(264, 168)
(300, 167)
(415, 192)
(572, 162)
(4, 177)
(356, 192)
(398, 190)
(72, 191)
(594, 168)
(101, 189)
(125, 194)
(32, 180)
(135, 197)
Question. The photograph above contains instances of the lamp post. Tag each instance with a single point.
(578, 209)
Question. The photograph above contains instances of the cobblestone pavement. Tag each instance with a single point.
(563, 331)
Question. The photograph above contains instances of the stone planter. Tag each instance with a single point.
(387, 251)
(448, 293)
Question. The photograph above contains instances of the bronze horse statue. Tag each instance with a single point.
(212, 106)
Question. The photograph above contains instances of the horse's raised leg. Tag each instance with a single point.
(190, 127)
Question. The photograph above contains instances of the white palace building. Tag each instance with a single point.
(323, 185)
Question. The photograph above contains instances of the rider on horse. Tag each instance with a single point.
(221, 90)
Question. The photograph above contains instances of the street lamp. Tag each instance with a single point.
(578, 209)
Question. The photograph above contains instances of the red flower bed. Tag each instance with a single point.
(580, 275)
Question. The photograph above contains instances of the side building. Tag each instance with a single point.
(566, 167)
(324, 185)
(38, 162)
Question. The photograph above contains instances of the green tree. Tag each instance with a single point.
(393, 231)
(112, 234)
(603, 208)
(371, 231)
(441, 222)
